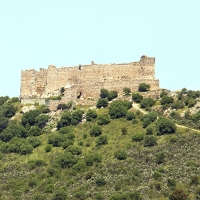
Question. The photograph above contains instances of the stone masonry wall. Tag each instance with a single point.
(87, 80)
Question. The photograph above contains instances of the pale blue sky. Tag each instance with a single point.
(36, 33)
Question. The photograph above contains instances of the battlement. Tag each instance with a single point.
(87, 80)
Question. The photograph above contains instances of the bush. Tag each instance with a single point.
(75, 150)
(102, 103)
(124, 131)
(41, 120)
(29, 117)
(126, 90)
(67, 160)
(138, 137)
(91, 115)
(3, 123)
(137, 97)
(103, 139)
(162, 94)
(143, 87)
(26, 149)
(171, 183)
(80, 166)
(150, 140)
(65, 130)
(166, 100)
(130, 115)
(96, 131)
(8, 110)
(177, 105)
(67, 143)
(120, 155)
(160, 157)
(150, 129)
(165, 126)
(89, 160)
(56, 139)
(100, 182)
(103, 119)
(178, 194)
(112, 95)
(34, 131)
(35, 142)
(48, 148)
(60, 195)
(118, 109)
(146, 103)
(104, 93)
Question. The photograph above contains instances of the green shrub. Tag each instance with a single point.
(137, 97)
(48, 148)
(124, 131)
(34, 131)
(35, 142)
(26, 149)
(166, 100)
(95, 131)
(29, 117)
(160, 158)
(89, 160)
(130, 115)
(171, 182)
(75, 150)
(56, 139)
(194, 180)
(67, 143)
(60, 195)
(162, 94)
(103, 139)
(150, 140)
(102, 103)
(65, 130)
(138, 137)
(143, 87)
(67, 160)
(80, 166)
(118, 109)
(150, 129)
(157, 175)
(178, 194)
(32, 182)
(41, 120)
(112, 95)
(91, 115)
(100, 182)
(146, 103)
(103, 119)
(3, 123)
(120, 155)
(165, 126)
(126, 90)
(104, 93)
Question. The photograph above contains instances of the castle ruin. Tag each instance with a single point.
(85, 81)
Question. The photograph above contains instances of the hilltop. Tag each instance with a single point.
(124, 146)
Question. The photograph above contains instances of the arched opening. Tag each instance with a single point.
(79, 95)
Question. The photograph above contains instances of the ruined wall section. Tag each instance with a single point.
(87, 80)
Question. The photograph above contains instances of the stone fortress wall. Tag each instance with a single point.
(86, 80)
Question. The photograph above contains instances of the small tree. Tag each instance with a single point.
(96, 131)
(91, 115)
(165, 126)
(104, 93)
(120, 155)
(150, 140)
(102, 103)
(112, 95)
(143, 87)
(126, 90)
(146, 103)
(137, 97)
(103, 119)
(103, 139)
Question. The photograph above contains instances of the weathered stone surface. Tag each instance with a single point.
(85, 81)
(28, 108)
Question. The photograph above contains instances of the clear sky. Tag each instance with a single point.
(36, 33)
